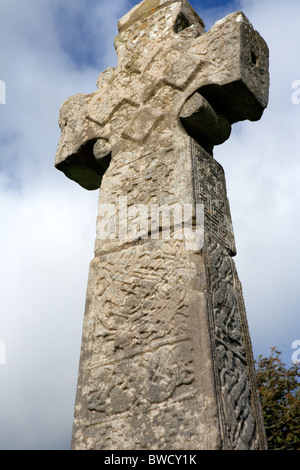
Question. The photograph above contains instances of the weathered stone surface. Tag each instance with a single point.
(166, 360)
(140, 385)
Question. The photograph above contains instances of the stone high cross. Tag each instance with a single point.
(166, 359)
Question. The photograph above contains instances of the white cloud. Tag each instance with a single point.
(48, 223)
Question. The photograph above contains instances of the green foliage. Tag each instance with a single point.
(279, 389)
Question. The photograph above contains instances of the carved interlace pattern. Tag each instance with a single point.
(231, 367)
(226, 309)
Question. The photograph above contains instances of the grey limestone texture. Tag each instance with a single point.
(166, 359)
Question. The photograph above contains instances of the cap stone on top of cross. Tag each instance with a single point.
(148, 7)
(166, 359)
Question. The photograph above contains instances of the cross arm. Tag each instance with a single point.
(234, 78)
(83, 154)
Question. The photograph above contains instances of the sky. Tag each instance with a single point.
(50, 50)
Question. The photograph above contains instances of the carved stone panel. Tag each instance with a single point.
(139, 375)
(239, 408)
(210, 190)
(240, 416)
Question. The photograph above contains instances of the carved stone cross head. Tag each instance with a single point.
(171, 77)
